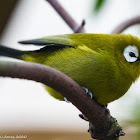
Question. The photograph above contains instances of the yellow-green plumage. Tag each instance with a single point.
(95, 61)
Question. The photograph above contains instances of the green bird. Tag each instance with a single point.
(107, 65)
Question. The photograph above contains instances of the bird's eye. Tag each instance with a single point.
(131, 53)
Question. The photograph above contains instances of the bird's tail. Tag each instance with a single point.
(9, 52)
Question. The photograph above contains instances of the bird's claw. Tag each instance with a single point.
(88, 92)
(66, 100)
(106, 109)
(82, 116)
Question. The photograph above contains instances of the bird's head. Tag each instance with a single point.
(127, 53)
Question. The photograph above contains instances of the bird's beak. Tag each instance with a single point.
(138, 58)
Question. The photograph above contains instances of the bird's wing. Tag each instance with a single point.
(52, 43)
(92, 41)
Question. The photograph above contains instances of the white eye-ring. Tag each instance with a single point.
(131, 53)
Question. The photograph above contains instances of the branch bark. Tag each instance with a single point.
(66, 16)
(102, 125)
(126, 24)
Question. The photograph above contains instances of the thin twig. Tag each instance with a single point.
(80, 28)
(66, 16)
(105, 127)
(124, 25)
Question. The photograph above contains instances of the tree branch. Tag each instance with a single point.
(66, 16)
(126, 24)
(102, 125)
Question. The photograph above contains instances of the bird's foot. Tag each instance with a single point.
(106, 109)
(88, 92)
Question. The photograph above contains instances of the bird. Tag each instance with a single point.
(105, 64)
